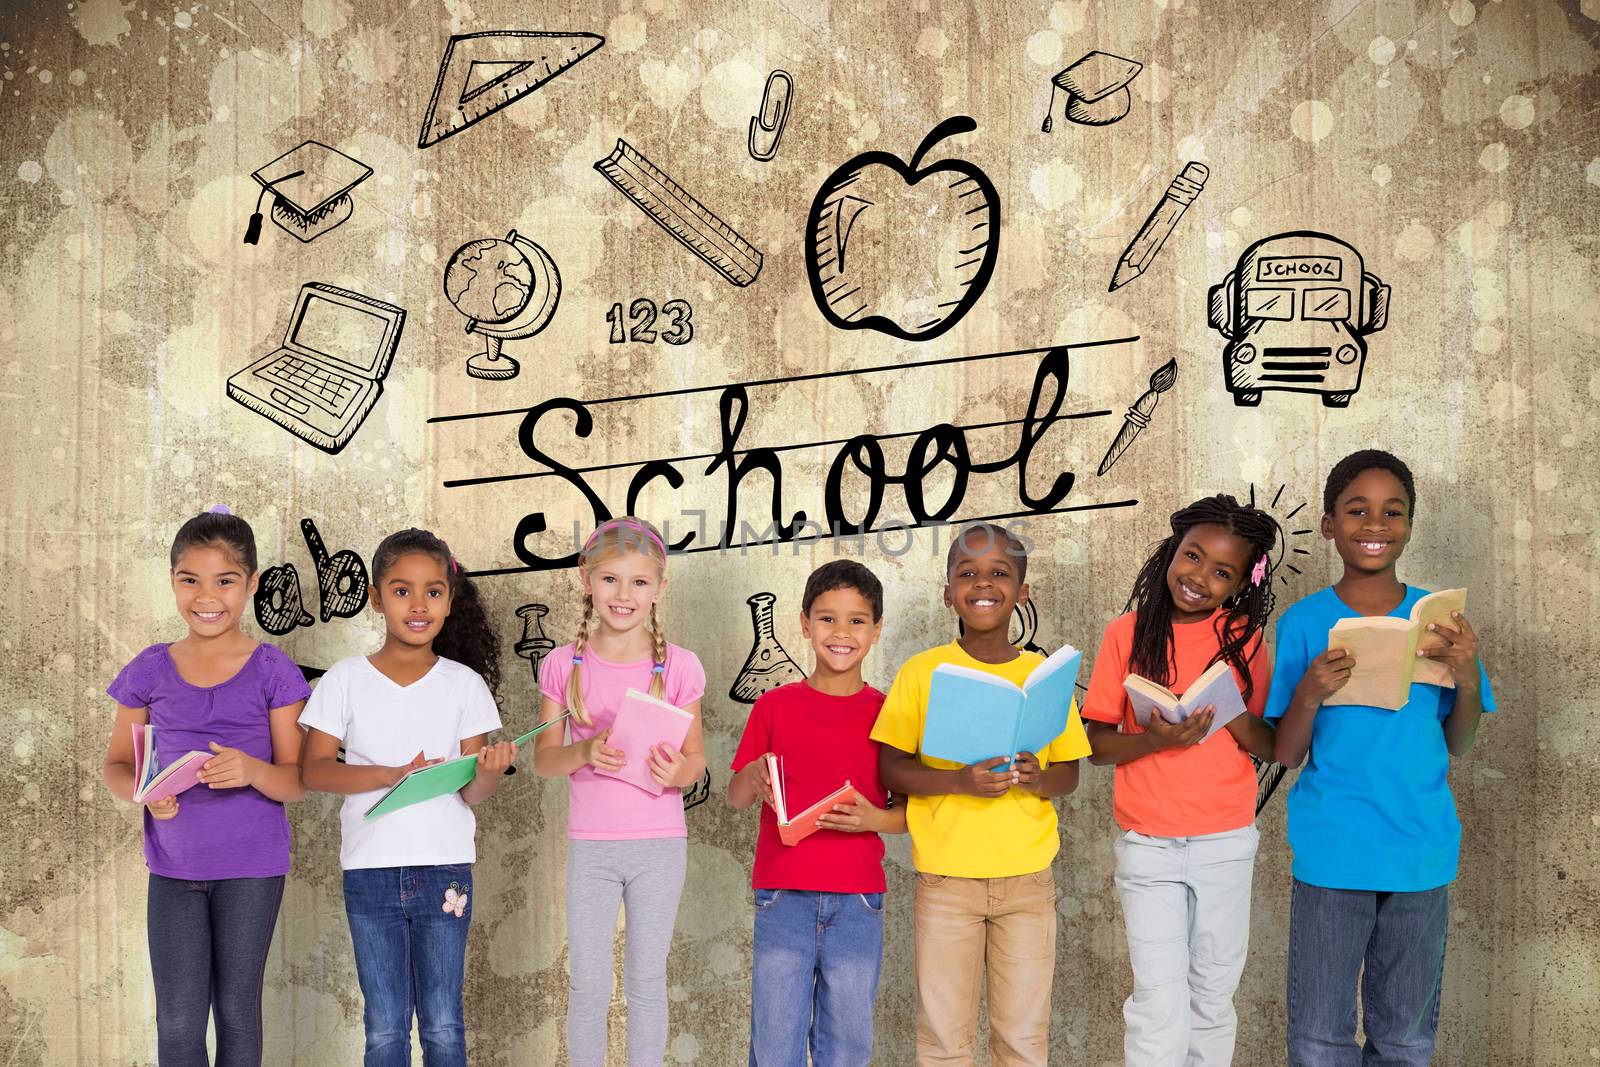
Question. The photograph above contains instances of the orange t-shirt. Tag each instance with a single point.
(1180, 792)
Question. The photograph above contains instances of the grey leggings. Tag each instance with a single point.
(645, 878)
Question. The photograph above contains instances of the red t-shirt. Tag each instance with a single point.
(824, 741)
(1181, 792)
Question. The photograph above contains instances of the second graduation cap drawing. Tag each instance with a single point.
(311, 186)
(1096, 88)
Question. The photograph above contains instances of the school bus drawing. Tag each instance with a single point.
(1296, 310)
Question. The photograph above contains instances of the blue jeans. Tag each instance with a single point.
(411, 955)
(208, 951)
(1400, 939)
(814, 979)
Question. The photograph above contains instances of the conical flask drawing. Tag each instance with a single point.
(533, 644)
(768, 665)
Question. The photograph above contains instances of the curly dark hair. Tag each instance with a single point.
(1247, 611)
(843, 574)
(217, 529)
(1350, 467)
(467, 636)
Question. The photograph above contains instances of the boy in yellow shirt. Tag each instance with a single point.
(982, 839)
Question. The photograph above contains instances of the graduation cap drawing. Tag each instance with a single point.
(1096, 88)
(311, 186)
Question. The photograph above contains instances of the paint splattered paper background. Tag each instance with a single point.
(1450, 146)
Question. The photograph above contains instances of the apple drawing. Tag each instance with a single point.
(902, 250)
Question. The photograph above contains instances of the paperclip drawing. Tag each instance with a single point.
(694, 225)
(766, 129)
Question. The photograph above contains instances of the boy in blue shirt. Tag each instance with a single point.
(1371, 819)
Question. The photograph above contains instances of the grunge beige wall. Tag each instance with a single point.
(1452, 143)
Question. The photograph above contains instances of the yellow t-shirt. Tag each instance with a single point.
(974, 837)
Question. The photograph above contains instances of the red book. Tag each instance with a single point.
(792, 831)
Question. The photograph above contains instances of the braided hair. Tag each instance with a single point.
(610, 540)
(467, 636)
(1247, 611)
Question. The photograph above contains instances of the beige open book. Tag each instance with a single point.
(1385, 651)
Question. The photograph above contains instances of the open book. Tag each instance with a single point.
(974, 715)
(642, 722)
(150, 784)
(451, 776)
(794, 829)
(1385, 651)
(1216, 687)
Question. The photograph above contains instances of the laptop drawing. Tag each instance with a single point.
(320, 385)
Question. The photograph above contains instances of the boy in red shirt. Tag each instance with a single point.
(819, 902)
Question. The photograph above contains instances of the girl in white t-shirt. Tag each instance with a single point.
(626, 844)
(424, 697)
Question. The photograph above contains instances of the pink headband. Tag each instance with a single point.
(612, 524)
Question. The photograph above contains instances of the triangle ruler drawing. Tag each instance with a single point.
(483, 72)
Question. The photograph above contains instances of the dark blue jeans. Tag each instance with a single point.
(208, 951)
(411, 956)
(814, 979)
(1399, 937)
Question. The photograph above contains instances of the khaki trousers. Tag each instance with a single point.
(965, 926)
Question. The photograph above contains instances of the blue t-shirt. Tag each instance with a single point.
(1371, 808)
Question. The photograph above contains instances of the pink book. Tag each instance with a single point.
(151, 785)
(641, 722)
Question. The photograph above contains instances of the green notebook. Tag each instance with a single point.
(425, 783)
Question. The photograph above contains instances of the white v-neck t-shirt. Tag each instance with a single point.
(383, 723)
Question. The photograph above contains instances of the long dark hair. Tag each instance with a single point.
(1247, 611)
(467, 636)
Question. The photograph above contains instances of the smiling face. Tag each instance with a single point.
(624, 586)
(1370, 522)
(985, 584)
(212, 589)
(1209, 566)
(840, 628)
(413, 596)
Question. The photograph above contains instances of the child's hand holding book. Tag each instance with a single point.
(858, 816)
(1327, 675)
(668, 767)
(601, 756)
(982, 780)
(418, 762)
(1458, 653)
(1191, 731)
(163, 809)
(494, 759)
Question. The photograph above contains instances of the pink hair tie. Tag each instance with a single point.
(1260, 570)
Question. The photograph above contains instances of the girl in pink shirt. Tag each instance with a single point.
(626, 846)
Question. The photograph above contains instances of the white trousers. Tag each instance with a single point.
(1186, 904)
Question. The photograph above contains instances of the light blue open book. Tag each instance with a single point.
(974, 715)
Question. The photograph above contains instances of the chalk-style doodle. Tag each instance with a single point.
(329, 372)
(279, 606)
(341, 587)
(883, 254)
(311, 674)
(766, 128)
(481, 73)
(534, 642)
(1296, 311)
(341, 577)
(642, 315)
(1284, 550)
(768, 665)
(698, 793)
(310, 186)
(1138, 416)
(693, 224)
(1268, 775)
(507, 290)
(1096, 88)
(1158, 227)
(861, 456)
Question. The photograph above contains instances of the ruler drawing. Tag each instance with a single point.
(674, 210)
(481, 73)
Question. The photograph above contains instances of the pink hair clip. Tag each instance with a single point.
(1260, 570)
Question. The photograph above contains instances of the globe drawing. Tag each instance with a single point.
(507, 289)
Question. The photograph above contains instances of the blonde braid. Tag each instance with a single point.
(574, 681)
(658, 653)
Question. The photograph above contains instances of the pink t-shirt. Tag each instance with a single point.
(601, 808)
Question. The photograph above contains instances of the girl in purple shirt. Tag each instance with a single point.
(217, 854)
